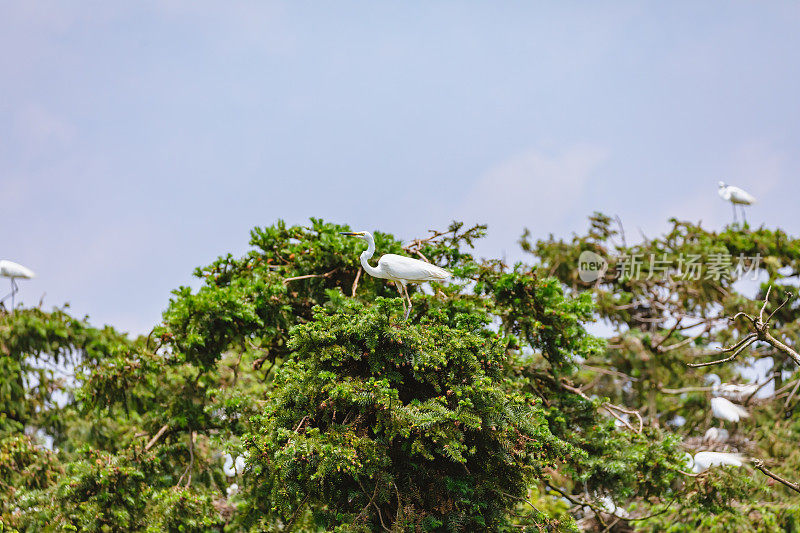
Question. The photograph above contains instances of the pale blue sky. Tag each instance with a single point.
(141, 139)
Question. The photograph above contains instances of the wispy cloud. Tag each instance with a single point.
(533, 189)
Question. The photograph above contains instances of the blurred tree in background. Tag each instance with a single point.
(287, 394)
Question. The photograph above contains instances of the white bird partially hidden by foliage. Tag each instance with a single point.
(716, 434)
(702, 461)
(735, 196)
(608, 504)
(736, 391)
(231, 467)
(14, 271)
(725, 409)
(398, 268)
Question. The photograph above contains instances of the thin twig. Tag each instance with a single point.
(610, 406)
(156, 437)
(684, 342)
(769, 318)
(294, 515)
(750, 397)
(737, 349)
(766, 301)
(307, 276)
(300, 424)
(669, 334)
(191, 461)
(791, 395)
(520, 498)
(355, 283)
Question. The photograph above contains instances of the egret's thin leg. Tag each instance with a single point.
(734, 212)
(14, 289)
(408, 312)
(400, 290)
(744, 217)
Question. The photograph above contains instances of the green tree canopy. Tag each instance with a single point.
(493, 407)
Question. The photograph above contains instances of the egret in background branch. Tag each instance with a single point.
(702, 461)
(732, 391)
(725, 409)
(735, 195)
(716, 434)
(14, 271)
(398, 268)
(231, 467)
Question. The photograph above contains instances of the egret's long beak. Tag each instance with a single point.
(349, 233)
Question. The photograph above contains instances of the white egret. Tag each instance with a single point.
(398, 268)
(231, 467)
(733, 391)
(735, 196)
(725, 409)
(716, 434)
(702, 461)
(14, 271)
(607, 503)
(736, 391)
(232, 490)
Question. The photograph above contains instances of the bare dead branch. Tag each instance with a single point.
(307, 276)
(355, 282)
(736, 348)
(156, 437)
(684, 342)
(610, 406)
(766, 300)
(191, 461)
(669, 334)
(752, 395)
(759, 465)
(791, 395)
(767, 337)
(786, 301)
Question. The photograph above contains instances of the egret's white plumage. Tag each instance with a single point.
(10, 269)
(239, 464)
(736, 391)
(398, 268)
(702, 461)
(231, 467)
(736, 196)
(607, 503)
(725, 409)
(14, 271)
(717, 434)
(227, 468)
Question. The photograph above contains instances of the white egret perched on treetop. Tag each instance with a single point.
(398, 268)
(735, 195)
(12, 270)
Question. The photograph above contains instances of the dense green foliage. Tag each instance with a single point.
(491, 408)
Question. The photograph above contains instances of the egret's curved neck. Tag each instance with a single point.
(366, 255)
